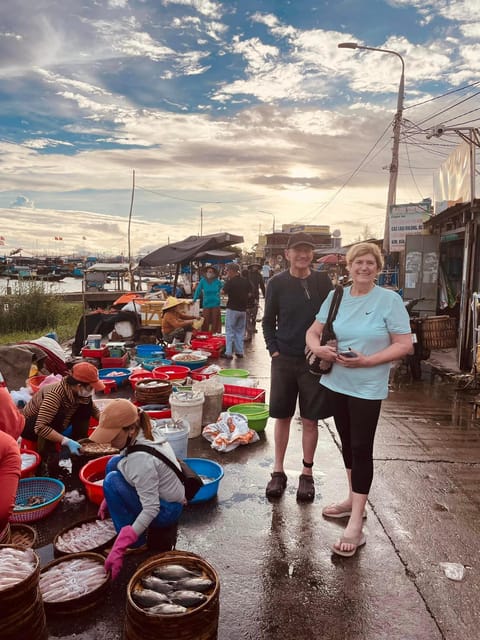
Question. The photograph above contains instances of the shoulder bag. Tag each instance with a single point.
(316, 365)
(187, 476)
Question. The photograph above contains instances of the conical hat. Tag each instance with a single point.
(173, 302)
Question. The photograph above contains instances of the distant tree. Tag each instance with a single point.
(366, 234)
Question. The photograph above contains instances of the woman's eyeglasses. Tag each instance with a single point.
(305, 289)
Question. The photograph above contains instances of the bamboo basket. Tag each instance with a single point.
(22, 613)
(23, 535)
(58, 552)
(153, 395)
(79, 603)
(6, 535)
(439, 332)
(200, 623)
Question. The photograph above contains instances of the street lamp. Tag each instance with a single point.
(392, 185)
(273, 220)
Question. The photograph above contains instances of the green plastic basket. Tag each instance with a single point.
(256, 413)
(234, 373)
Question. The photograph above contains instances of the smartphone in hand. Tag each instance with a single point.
(348, 354)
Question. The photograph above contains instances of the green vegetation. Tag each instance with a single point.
(32, 311)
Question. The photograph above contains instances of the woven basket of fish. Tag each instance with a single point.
(173, 596)
(153, 391)
(23, 615)
(23, 535)
(90, 534)
(36, 498)
(96, 449)
(73, 583)
(6, 535)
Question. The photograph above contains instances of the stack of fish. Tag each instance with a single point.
(86, 536)
(15, 566)
(171, 589)
(70, 579)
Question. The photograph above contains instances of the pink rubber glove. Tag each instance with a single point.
(103, 510)
(125, 539)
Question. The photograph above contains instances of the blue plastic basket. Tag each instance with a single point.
(120, 379)
(208, 469)
(50, 489)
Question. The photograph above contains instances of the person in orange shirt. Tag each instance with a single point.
(10, 469)
(175, 322)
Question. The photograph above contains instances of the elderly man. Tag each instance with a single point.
(293, 298)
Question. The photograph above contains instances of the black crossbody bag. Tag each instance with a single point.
(187, 476)
(317, 366)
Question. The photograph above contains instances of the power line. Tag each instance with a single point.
(167, 195)
(418, 104)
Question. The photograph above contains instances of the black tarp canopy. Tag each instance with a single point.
(188, 249)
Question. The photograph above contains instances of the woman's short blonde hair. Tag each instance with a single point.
(361, 249)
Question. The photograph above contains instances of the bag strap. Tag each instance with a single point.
(146, 449)
(334, 305)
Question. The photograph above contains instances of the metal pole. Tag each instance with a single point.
(130, 274)
(397, 123)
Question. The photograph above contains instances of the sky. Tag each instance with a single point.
(201, 116)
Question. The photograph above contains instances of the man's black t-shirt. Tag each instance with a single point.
(237, 290)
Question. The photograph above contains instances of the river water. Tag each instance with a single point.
(67, 285)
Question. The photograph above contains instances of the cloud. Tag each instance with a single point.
(205, 7)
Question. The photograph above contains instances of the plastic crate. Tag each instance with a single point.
(199, 374)
(234, 394)
(151, 313)
(94, 353)
(214, 347)
(109, 363)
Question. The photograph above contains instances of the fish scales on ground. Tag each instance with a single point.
(85, 536)
(173, 572)
(147, 598)
(188, 598)
(15, 566)
(71, 579)
(167, 609)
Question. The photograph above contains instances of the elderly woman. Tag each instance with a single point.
(175, 322)
(372, 329)
(141, 491)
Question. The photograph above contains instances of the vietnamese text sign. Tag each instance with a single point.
(406, 219)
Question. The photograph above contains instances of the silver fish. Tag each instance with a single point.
(188, 598)
(194, 584)
(173, 572)
(156, 584)
(148, 598)
(166, 609)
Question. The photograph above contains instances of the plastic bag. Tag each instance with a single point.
(21, 397)
(230, 431)
(453, 570)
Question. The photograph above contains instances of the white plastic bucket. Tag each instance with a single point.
(176, 434)
(188, 406)
(212, 407)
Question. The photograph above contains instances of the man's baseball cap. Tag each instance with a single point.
(300, 238)
(86, 373)
(232, 266)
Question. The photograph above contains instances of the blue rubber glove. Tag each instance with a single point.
(74, 447)
(125, 539)
(103, 510)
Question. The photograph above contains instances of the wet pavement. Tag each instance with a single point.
(279, 580)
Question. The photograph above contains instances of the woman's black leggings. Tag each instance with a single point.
(356, 421)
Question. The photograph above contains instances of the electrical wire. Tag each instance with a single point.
(418, 104)
(167, 195)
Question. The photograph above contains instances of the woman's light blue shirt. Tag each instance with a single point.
(364, 324)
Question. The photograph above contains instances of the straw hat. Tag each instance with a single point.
(174, 302)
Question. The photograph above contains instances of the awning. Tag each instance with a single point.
(188, 249)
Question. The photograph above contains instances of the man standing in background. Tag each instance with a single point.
(237, 289)
(293, 298)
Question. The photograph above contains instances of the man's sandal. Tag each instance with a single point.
(306, 488)
(356, 542)
(276, 485)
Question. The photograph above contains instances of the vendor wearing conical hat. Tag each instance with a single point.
(175, 322)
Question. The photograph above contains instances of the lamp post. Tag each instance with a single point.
(273, 219)
(392, 185)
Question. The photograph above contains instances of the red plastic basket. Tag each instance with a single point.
(198, 374)
(94, 353)
(90, 473)
(108, 363)
(30, 471)
(172, 371)
(234, 394)
(34, 382)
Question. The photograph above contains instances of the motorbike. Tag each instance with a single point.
(420, 352)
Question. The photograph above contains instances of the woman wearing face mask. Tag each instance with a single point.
(141, 491)
(57, 406)
(209, 287)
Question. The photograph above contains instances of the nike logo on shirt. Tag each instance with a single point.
(368, 312)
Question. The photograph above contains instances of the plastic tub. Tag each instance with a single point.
(121, 378)
(90, 474)
(233, 373)
(149, 350)
(209, 469)
(30, 470)
(255, 412)
(140, 374)
(198, 363)
(173, 372)
(176, 433)
(188, 406)
(50, 489)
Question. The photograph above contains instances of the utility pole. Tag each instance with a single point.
(130, 274)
